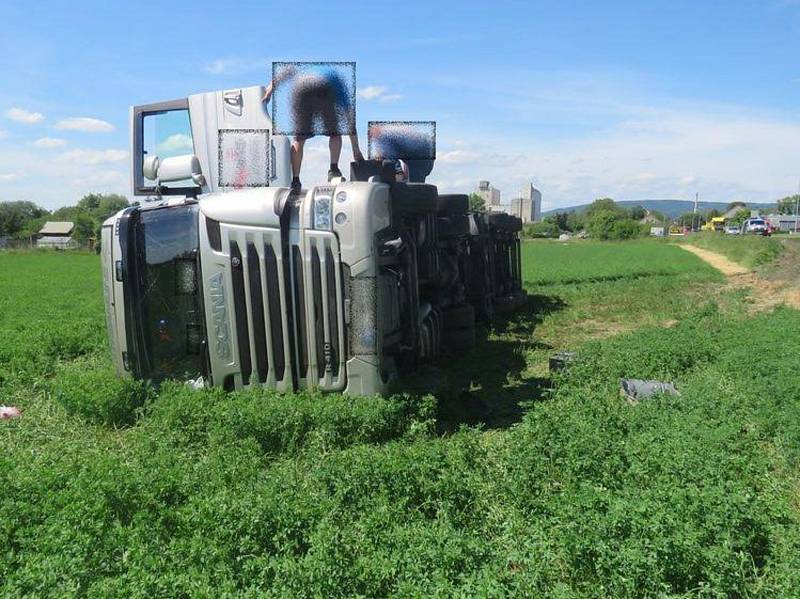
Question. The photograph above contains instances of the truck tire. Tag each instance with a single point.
(454, 225)
(459, 339)
(458, 317)
(505, 304)
(500, 220)
(414, 198)
(450, 203)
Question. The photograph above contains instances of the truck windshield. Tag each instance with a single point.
(169, 298)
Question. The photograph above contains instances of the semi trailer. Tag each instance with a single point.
(224, 277)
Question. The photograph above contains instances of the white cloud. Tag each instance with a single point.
(50, 142)
(722, 153)
(588, 136)
(377, 92)
(83, 157)
(8, 177)
(179, 142)
(20, 115)
(221, 66)
(85, 124)
(371, 91)
(3, 134)
(457, 156)
(102, 179)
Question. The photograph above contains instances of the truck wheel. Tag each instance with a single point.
(504, 304)
(452, 203)
(454, 225)
(458, 339)
(458, 317)
(414, 198)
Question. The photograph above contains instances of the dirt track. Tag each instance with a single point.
(718, 261)
(765, 293)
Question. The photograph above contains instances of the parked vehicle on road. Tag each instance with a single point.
(755, 226)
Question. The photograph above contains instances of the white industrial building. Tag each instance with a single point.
(528, 205)
(490, 195)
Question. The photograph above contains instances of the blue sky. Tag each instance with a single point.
(633, 100)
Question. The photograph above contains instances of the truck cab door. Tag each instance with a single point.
(229, 133)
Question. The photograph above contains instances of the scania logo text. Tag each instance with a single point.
(219, 315)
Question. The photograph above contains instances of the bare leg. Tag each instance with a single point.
(357, 155)
(335, 146)
(297, 155)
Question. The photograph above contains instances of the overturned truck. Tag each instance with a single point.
(228, 279)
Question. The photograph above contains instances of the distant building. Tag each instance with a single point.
(490, 195)
(528, 206)
(57, 235)
(784, 222)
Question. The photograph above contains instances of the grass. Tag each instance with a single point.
(182, 493)
(748, 250)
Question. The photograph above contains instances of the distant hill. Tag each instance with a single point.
(669, 208)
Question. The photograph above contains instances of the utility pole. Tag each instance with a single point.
(797, 208)
(694, 223)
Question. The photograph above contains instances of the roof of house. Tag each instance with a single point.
(54, 227)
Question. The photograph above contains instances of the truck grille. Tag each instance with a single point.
(269, 313)
(320, 300)
(261, 306)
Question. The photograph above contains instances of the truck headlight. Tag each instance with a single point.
(322, 212)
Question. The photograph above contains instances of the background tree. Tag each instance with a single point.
(600, 224)
(108, 205)
(31, 228)
(546, 229)
(576, 222)
(787, 205)
(476, 203)
(560, 219)
(638, 213)
(740, 216)
(602, 204)
(84, 228)
(15, 215)
(690, 219)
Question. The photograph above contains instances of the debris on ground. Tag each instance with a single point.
(636, 389)
(562, 360)
(9, 412)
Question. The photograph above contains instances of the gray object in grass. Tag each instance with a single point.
(562, 360)
(636, 389)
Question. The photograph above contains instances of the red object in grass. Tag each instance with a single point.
(9, 412)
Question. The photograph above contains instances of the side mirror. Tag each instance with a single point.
(176, 168)
(150, 168)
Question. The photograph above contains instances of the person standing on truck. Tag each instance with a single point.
(404, 144)
(317, 95)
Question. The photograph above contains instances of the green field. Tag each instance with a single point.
(506, 483)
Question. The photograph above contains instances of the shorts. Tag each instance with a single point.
(317, 107)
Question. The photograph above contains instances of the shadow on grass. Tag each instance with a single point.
(589, 279)
(488, 385)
